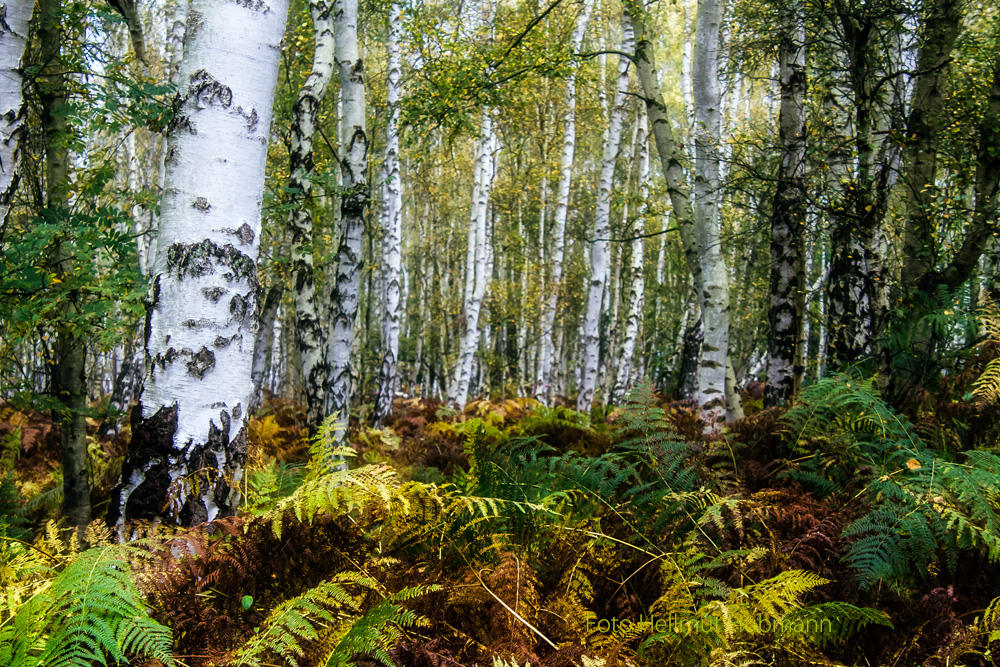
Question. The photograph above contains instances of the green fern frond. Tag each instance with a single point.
(295, 621)
(376, 632)
(697, 632)
(336, 492)
(932, 509)
(91, 612)
(847, 415)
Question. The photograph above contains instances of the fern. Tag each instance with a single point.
(828, 622)
(267, 484)
(376, 632)
(91, 612)
(986, 388)
(645, 432)
(296, 620)
(331, 610)
(690, 630)
(844, 418)
(324, 455)
(927, 509)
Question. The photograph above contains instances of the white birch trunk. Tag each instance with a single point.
(310, 334)
(602, 220)
(13, 37)
(543, 381)
(637, 284)
(477, 259)
(392, 242)
(715, 276)
(353, 202)
(687, 89)
(189, 443)
(175, 24)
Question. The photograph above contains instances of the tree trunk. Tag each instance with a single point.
(637, 283)
(987, 189)
(188, 444)
(392, 234)
(69, 372)
(13, 37)
(353, 205)
(856, 290)
(310, 307)
(788, 224)
(602, 225)
(925, 127)
(263, 344)
(715, 275)
(476, 271)
(543, 383)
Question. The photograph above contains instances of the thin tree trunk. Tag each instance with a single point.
(544, 390)
(602, 225)
(477, 261)
(188, 444)
(69, 373)
(392, 234)
(130, 12)
(637, 283)
(13, 38)
(310, 307)
(715, 276)
(353, 202)
(263, 344)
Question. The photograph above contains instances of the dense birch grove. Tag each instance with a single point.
(481, 201)
(449, 334)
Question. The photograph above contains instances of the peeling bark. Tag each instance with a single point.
(13, 38)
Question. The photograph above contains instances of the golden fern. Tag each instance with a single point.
(401, 513)
(986, 388)
(686, 630)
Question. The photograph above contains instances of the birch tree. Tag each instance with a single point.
(715, 275)
(309, 306)
(185, 460)
(636, 284)
(353, 204)
(543, 383)
(602, 226)
(788, 224)
(476, 270)
(13, 37)
(392, 198)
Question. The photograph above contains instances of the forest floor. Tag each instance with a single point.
(839, 531)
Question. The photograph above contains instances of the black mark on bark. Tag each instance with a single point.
(201, 362)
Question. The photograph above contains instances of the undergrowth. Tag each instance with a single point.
(826, 534)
